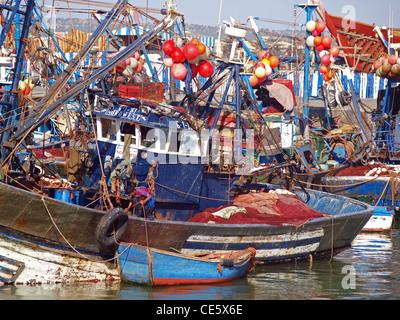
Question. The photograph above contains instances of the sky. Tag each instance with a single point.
(206, 11)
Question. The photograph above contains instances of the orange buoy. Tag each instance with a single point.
(27, 90)
(326, 78)
(194, 41)
(395, 69)
(386, 67)
(201, 47)
(317, 40)
(274, 61)
(320, 26)
(253, 80)
(323, 69)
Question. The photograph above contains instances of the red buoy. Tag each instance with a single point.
(168, 47)
(177, 55)
(326, 59)
(334, 51)
(377, 64)
(190, 51)
(327, 42)
(206, 69)
(392, 60)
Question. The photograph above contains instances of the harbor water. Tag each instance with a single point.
(368, 270)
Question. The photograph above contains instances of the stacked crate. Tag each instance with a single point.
(147, 91)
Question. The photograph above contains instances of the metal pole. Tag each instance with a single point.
(308, 8)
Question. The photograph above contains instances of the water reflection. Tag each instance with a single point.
(374, 259)
(368, 270)
(74, 291)
(227, 291)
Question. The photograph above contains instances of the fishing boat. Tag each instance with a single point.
(149, 266)
(137, 144)
(374, 184)
(381, 220)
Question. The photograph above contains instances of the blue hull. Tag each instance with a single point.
(378, 190)
(154, 267)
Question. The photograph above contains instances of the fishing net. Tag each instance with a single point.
(260, 208)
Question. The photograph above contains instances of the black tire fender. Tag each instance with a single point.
(110, 229)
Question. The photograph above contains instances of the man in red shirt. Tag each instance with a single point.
(142, 202)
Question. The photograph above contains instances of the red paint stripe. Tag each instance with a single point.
(169, 281)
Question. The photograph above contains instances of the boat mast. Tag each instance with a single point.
(53, 106)
(10, 99)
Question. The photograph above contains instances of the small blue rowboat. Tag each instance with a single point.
(149, 266)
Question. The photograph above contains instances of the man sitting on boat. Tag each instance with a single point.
(142, 202)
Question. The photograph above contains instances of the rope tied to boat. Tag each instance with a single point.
(104, 194)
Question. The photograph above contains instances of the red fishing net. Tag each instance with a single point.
(261, 208)
(356, 171)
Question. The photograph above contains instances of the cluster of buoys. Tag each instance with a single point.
(263, 68)
(129, 66)
(194, 52)
(323, 44)
(387, 67)
(26, 86)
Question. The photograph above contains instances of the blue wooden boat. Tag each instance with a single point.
(379, 190)
(144, 265)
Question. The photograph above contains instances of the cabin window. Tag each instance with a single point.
(147, 137)
(153, 138)
(108, 129)
(128, 128)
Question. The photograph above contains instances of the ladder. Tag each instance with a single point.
(10, 269)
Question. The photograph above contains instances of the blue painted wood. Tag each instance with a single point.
(150, 266)
(379, 190)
